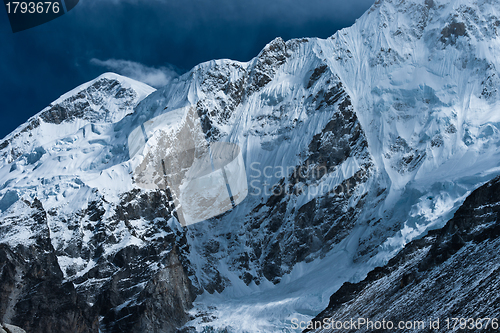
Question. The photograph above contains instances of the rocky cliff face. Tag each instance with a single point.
(136, 289)
(450, 273)
(34, 294)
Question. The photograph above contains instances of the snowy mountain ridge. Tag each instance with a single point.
(382, 129)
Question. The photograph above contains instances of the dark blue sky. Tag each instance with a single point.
(150, 40)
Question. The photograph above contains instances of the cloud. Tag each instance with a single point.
(156, 77)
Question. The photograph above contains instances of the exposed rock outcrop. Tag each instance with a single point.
(450, 273)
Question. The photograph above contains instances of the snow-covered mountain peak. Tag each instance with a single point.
(104, 100)
(423, 67)
(107, 79)
(59, 141)
(441, 19)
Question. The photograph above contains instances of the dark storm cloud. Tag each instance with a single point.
(38, 65)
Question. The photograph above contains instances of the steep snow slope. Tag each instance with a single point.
(47, 156)
(423, 77)
(353, 146)
(450, 273)
(422, 80)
